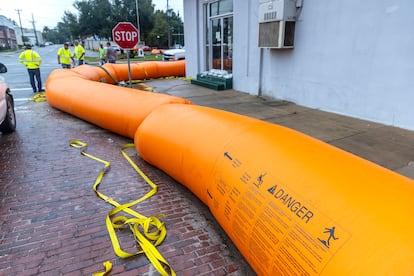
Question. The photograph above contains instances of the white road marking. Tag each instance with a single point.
(21, 99)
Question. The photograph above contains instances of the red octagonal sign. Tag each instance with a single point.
(125, 35)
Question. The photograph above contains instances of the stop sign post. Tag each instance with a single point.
(126, 35)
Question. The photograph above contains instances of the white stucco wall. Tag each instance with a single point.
(194, 37)
(246, 61)
(350, 57)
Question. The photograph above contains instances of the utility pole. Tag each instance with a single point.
(179, 22)
(139, 30)
(20, 21)
(169, 27)
(34, 30)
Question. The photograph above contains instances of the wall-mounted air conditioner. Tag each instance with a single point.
(277, 34)
(277, 23)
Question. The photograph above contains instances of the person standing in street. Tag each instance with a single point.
(79, 52)
(64, 56)
(32, 60)
(102, 54)
(110, 53)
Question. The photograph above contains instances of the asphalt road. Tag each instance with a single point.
(17, 77)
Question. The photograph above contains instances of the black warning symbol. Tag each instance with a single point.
(259, 180)
(330, 235)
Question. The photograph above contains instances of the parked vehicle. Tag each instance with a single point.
(7, 115)
(174, 54)
(116, 47)
(146, 48)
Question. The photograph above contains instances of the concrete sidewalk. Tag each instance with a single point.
(387, 146)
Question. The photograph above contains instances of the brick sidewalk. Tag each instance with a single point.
(52, 223)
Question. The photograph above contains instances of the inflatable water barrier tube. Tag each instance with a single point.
(293, 205)
(84, 92)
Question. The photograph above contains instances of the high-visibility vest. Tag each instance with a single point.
(31, 59)
(79, 51)
(102, 53)
(65, 55)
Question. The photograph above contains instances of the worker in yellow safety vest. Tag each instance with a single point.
(64, 56)
(32, 60)
(79, 52)
(102, 54)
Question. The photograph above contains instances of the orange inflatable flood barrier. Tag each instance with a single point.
(84, 92)
(293, 205)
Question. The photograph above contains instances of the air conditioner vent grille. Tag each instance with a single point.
(289, 34)
(270, 16)
(269, 34)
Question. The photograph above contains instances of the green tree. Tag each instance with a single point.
(69, 26)
(176, 29)
(159, 34)
(125, 11)
(51, 35)
(95, 18)
(99, 17)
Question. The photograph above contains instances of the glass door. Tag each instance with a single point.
(227, 46)
(219, 35)
(216, 40)
(221, 47)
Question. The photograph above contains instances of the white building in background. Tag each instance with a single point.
(8, 39)
(11, 34)
(32, 37)
(349, 57)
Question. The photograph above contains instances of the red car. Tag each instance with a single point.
(146, 48)
(7, 115)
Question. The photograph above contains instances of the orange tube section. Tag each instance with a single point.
(139, 71)
(84, 92)
(293, 205)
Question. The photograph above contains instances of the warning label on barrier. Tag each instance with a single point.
(275, 222)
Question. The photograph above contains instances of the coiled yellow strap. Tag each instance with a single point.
(39, 97)
(148, 231)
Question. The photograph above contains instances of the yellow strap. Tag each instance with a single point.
(37, 98)
(148, 232)
(186, 79)
(108, 268)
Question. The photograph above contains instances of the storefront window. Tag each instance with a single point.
(219, 31)
(221, 7)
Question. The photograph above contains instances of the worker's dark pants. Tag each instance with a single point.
(35, 73)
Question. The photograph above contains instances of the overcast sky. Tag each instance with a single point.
(50, 12)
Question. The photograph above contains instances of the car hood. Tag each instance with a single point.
(174, 51)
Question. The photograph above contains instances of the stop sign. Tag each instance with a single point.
(125, 35)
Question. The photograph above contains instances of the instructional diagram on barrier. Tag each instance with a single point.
(272, 220)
